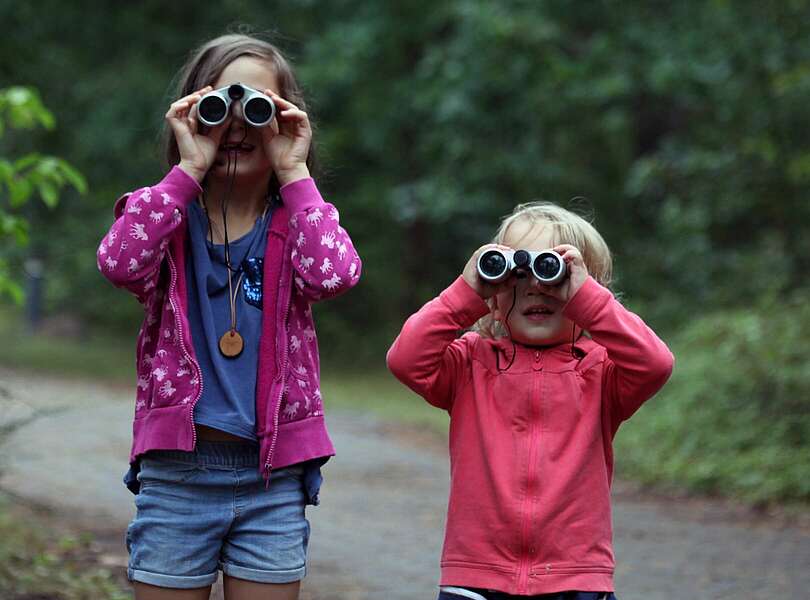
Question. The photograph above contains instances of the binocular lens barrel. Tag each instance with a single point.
(212, 109)
(258, 111)
(549, 268)
(493, 266)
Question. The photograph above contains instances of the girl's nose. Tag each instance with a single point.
(238, 114)
(236, 110)
(534, 287)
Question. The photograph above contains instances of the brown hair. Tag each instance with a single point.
(567, 228)
(209, 61)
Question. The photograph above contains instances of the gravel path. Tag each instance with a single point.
(378, 531)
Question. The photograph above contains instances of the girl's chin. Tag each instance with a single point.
(538, 336)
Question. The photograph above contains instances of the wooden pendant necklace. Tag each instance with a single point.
(231, 343)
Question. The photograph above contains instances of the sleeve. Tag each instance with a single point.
(131, 252)
(427, 356)
(323, 256)
(638, 364)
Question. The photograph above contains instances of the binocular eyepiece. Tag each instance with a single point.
(494, 265)
(257, 108)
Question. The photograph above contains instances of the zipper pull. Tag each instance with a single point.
(266, 475)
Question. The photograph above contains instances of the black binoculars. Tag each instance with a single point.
(257, 108)
(495, 265)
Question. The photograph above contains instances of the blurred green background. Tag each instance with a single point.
(680, 127)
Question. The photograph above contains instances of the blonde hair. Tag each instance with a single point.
(566, 228)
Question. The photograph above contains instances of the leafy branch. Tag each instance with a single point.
(21, 108)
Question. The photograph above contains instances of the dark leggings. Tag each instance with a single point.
(489, 595)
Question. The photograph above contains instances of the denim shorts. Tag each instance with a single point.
(208, 510)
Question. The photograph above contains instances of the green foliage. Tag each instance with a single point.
(21, 108)
(735, 419)
(37, 563)
(678, 126)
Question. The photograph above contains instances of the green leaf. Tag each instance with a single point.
(24, 108)
(27, 161)
(74, 177)
(12, 225)
(49, 193)
(20, 190)
(9, 288)
(6, 172)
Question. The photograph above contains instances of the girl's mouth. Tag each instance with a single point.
(238, 148)
(538, 313)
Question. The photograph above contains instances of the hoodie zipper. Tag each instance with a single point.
(526, 543)
(268, 467)
(179, 327)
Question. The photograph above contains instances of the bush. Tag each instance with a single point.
(735, 418)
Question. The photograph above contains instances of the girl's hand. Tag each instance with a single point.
(577, 274)
(197, 151)
(287, 140)
(483, 288)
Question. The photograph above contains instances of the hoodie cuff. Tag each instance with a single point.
(301, 195)
(583, 308)
(466, 304)
(181, 186)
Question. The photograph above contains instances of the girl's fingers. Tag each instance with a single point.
(193, 123)
(186, 101)
(269, 132)
(198, 94)
(279, 100)
(294, 114)
(569, 253)
(289, 111)
(294, 123)
(565, 249)
(175, 110)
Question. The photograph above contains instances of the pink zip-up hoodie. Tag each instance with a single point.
(309, 257)
(531, 458)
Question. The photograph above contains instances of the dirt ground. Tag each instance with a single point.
(379, 528)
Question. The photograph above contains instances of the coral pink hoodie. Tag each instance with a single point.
(530, 447)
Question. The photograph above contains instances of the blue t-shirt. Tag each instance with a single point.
(228, 400)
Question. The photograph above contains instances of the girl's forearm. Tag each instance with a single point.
(428, 356)
(325, 261)
(641, 361)
(131, 252)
